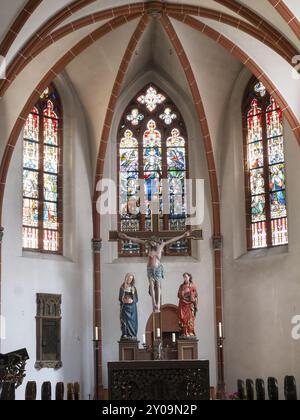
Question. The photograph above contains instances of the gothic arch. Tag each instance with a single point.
(140, 157)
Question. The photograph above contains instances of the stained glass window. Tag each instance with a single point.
(153, 162)
(42, 175)
(265, 169)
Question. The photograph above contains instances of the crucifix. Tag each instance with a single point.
(155, 242)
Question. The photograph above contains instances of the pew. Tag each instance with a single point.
(260, 390)
(250, 389)
(247, 393)
(30, 392)
(273, 390)
(290, 388)
(59, 391)
(46, 391)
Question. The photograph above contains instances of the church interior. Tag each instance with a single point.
(104, 106)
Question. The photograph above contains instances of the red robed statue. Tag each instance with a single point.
(188, 306)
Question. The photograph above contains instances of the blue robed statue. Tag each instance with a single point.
(128, 298)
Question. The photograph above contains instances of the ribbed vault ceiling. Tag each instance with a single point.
(45, 32)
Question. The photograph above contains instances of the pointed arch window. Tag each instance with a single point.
(42, 175)
(265, 169)
(152, 148)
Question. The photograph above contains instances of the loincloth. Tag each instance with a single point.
(156, 273)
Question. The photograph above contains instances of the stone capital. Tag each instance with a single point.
(96, 246)
(217, 243)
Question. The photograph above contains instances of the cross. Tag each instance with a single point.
(156, 233)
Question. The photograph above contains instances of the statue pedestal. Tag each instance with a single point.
(128, 349)
(187, 348)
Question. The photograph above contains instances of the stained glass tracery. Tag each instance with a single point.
(152, 150)
(135, 117)
(168, 116)
(260, 88)
(266, 170)
(41, 173)
(151, 99)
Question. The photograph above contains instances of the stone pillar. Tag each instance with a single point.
(1, 238)
(96, 249)
(217, 242)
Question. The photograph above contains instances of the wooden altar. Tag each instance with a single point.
(159, 380)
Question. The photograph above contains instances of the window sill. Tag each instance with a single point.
(165, 260)
(264, 253)
(44, 256)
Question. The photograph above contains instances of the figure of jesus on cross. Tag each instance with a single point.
(155, 269)
(155, 243)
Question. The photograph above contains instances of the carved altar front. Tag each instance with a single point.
(159, 380)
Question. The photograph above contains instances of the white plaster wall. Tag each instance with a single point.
(262, 288)
(93, 74)
(274, 66)
(200, 265)
(25, 274)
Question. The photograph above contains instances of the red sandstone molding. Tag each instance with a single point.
(85, 21)
(109, 117)
(248, 62)
(252, 17)
(18, 24)
(287, 15)
(112, 105)
(99, 174)
(192, 10)
(274, 41)
(262, 31)
(186, 66)
(202, 119)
